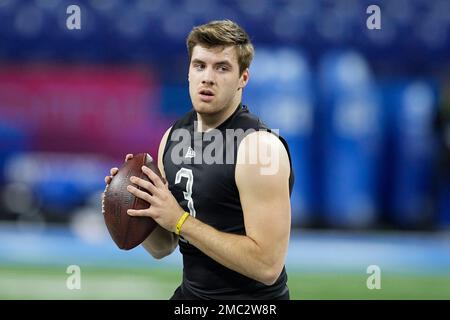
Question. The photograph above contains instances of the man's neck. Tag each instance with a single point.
(209, 122)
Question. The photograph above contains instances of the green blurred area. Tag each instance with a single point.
(33, 282)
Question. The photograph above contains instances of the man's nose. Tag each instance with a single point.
(208, 78)
(208, 82)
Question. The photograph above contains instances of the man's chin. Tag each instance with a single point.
(205, 108)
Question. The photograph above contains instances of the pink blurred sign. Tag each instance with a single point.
(105, 109)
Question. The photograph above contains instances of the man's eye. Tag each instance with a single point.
(198, 66)
(223, 68)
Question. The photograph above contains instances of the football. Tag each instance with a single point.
(127, 231)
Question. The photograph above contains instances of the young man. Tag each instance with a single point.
(226, 201)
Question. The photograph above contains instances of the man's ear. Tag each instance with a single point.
(243, 80)
(189, 72)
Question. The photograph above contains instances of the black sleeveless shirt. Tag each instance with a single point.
(200, 170)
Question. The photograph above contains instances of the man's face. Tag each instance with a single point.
(214, 81)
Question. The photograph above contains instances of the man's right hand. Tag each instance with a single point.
(114, 170)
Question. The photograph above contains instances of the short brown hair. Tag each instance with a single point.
(222, 33)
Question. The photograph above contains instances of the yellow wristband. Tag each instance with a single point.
(180, 222)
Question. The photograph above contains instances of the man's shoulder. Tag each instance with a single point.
(248, 120)
(185, 120)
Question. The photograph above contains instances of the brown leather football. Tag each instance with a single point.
(127, 231)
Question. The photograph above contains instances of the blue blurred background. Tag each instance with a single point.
(366, 114)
